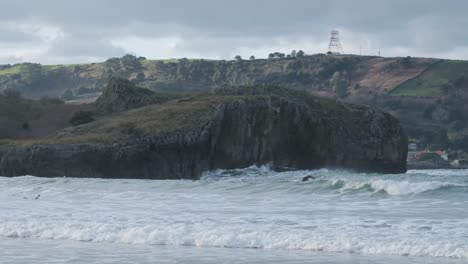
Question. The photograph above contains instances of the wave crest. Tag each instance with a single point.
(231, 237)
(390, 187)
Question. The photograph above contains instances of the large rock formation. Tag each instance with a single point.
(120, 95)
(230, 128)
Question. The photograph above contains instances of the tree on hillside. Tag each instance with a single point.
(293, 53)
(252, 57)
(111, 65)
(279, 55)
(238, 58)
(406, 62)
(300, 54)
(31, 72)
(271, 56)
(183, 60)
(129, 57)
(339, 85)
(130, 62)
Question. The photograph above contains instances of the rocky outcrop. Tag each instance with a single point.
(231, 128)
(120, 95)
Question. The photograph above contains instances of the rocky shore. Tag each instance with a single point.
(228, 128)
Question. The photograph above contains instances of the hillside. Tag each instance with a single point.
(427, 95)
(319, 73)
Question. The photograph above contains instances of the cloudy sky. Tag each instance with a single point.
(61, 31)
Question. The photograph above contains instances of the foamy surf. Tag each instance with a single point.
(391, 187)
(233, 237)
(420, 214)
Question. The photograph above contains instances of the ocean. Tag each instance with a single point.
(251, 215)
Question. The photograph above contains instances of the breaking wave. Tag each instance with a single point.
(391, 187)
(233, 237)
(420, 213)
(336, 181)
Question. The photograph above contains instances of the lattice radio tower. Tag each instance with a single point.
(334, 47)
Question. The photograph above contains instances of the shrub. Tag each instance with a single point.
(25, 126)
(406, 62)
(51, 100)
(12, 93)
(81, 117)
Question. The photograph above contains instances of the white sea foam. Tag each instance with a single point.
(451, 173)
(390, 187)
(406, 187)
(225, 236)
(422, 215)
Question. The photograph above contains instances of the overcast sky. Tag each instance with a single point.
(62, 31)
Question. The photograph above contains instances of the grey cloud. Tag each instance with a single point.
(81, 46)
(8, 36)
(423, 27)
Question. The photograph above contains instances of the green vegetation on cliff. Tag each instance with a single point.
(35, 80)
(436, 80)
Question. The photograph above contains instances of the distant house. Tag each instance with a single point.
(441, 153)
(412, 146)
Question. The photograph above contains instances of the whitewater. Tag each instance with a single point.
(252, 215)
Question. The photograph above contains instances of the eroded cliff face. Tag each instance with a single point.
(291, 135)
(182, 139)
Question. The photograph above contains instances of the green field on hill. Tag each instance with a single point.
(437, 78)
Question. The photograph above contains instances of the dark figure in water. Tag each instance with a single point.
(307, 178)
(37, 197)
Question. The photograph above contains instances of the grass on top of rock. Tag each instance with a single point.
(140, 116)
(172, 117)
(298, 96)
(186, 114)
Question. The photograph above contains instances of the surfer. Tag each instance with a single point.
(37, 197)
(309, 177)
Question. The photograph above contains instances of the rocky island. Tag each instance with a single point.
(137, 133)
